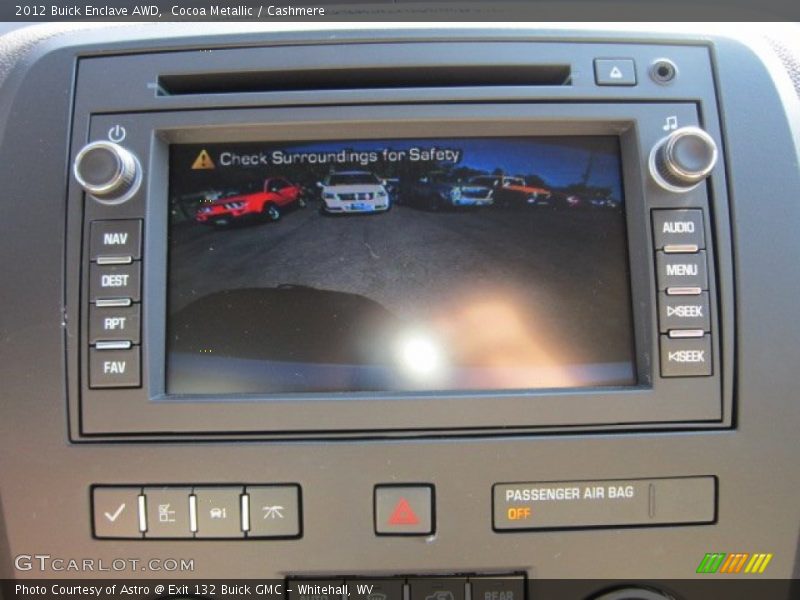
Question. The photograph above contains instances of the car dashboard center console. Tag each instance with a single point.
(460, 304)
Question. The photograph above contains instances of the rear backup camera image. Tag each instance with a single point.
(398, 265)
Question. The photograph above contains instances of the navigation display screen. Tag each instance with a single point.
(398, 265)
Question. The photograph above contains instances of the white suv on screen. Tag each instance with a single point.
(354, 192)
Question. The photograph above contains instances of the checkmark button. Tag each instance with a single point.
(116, 512)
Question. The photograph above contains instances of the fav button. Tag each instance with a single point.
(615, 71)
(114, 368)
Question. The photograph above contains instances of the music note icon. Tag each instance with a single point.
(671, 123)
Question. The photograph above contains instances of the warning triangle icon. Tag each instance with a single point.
(203, 161)
(615, 73)
(403, 514)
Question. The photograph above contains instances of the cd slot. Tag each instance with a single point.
(246, 82)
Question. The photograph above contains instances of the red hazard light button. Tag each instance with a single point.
(404, 510)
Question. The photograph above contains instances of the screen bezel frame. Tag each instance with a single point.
(654, 399)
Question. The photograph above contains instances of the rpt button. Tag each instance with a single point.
(115, 281)
(114, 323)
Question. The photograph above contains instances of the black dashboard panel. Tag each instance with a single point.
(534, 482)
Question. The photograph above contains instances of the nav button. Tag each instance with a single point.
(118, 238)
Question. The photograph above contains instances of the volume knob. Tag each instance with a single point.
(683, 159)
(107, 171)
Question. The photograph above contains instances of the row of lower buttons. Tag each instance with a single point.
(173, 512)
(252, 511)
(115, 252)
(274, 511)
(483, 587)
(683, 298)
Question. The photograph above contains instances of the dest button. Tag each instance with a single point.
(118, 281)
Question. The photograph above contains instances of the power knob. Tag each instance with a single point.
(107, 171)
(683, 159)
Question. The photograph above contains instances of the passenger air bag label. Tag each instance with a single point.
(609, 503)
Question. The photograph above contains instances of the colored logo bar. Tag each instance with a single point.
(737, 562)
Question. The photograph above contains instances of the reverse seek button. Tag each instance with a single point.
(686, 357)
